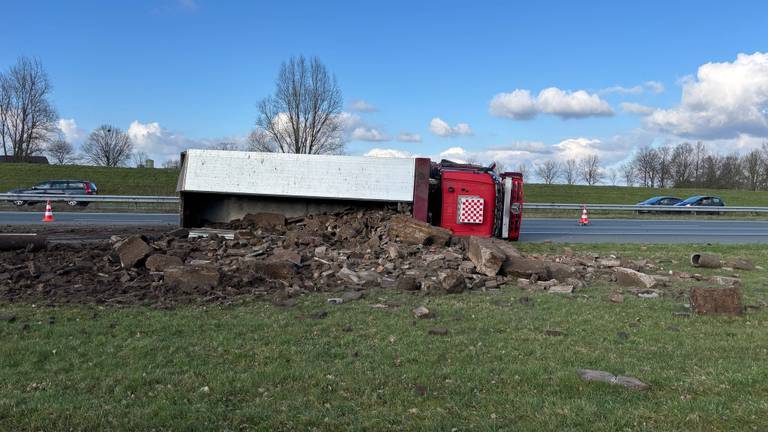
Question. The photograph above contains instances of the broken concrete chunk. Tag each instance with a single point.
(616, 297)
(421, 312)
(606, 377)
(609, 262)
(277, 270)
(561, 289)
(631, 278)
(290, 256)
(178, 233)
(486, 256)
(452, 281)
(706, 260)
(191, 279)
(132, 250)
(438, 331)
(349, 275)
(407, 283)
(716, 301)
(411, 231)
(160, 262)
(266, 220)
(742, 264)
(725, 281)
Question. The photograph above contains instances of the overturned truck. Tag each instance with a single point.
(217, 187)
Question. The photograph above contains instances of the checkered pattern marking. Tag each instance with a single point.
(471, 210)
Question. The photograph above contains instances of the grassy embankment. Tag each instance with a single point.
(136, 181)
(258, 367)
(110, 181)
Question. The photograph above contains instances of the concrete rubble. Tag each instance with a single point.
(269, 256)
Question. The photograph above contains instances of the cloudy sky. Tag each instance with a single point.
(518, 83)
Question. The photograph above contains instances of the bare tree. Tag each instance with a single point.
(590, 170)
(60, 151)
(628, 173)
(304, 115)
(646, 165)
(613, 176)
(27, 116)
(225, 145)
(548, 171)
(699, 155)
(523, 169)
(139, 159)
(663, 170)
(753, 166)
(108, 146)
(570, 171)
(682, 165)
(172, 164)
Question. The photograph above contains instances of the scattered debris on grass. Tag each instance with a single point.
(265, 255)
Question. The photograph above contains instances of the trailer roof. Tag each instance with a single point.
(298, 175)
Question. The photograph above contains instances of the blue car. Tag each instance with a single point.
(702, 201)
(658, 201)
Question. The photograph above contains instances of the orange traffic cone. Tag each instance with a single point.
(584, 217)
(48, 213)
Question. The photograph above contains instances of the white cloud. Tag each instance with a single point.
(520, 105)
(162, 145)
(409, 137)
(636, 108)
(724, 100)
(72, 133)
(440, 128)
(651, 86)
(517, 105)
(360, 105)
(368, 134)
(577, 148)
(381, 152)
(654, 87)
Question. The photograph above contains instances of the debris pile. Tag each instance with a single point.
(268, 256)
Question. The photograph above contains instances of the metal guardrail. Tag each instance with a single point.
(645, 209)
(533, 206)
(89, 198)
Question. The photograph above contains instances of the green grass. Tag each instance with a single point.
(110, 181)
(581, 194)
(268, 368)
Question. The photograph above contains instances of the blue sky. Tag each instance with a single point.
(187, 73)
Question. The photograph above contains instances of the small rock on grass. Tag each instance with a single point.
(7, 318)
(438, 331)
(602, 376)
(616, 297)
(421, 312)
(553, 332)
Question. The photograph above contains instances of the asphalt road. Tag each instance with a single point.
(534, 229)
(89, 219)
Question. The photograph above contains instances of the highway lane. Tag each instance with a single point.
(645, 231)
(534, 229)
(89, 219)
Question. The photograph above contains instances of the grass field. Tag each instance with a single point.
(110, 181)
(140, 181)
(258, 367)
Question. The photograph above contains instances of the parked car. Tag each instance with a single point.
(56, 187)
(658, 201)
(702, 201)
